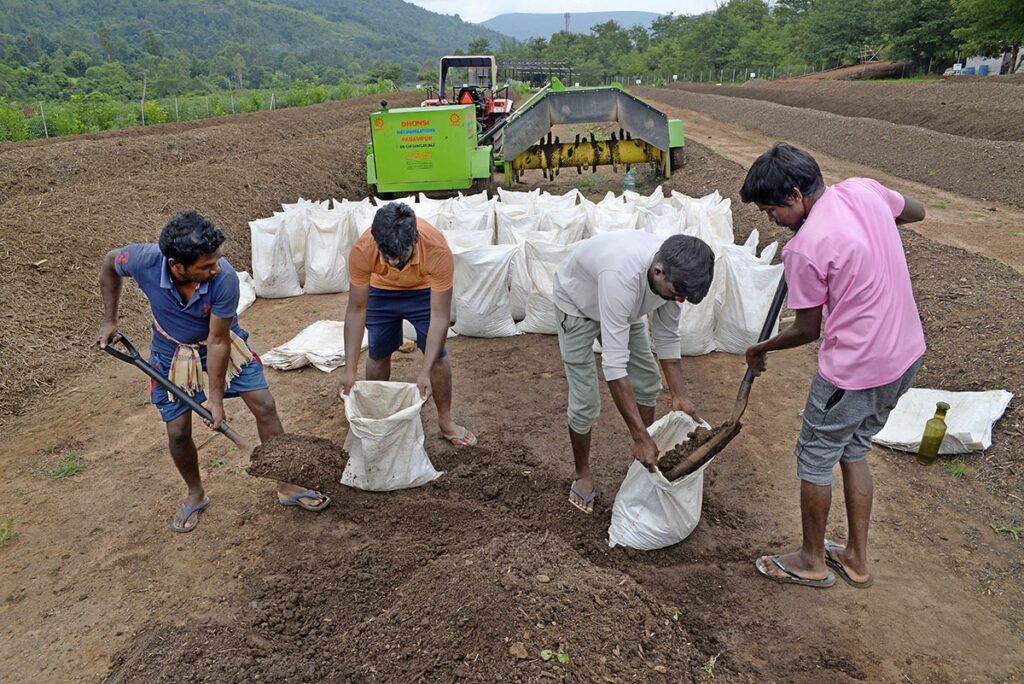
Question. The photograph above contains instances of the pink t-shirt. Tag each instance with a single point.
(848, 256)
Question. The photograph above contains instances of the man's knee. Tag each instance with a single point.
(179, 432)
(263, 406)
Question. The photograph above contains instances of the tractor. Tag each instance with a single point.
(478, 89)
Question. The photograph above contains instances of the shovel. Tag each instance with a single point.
(705, 452)
(132, 356)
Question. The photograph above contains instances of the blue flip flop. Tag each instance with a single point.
(588, 500)
(187, 513)
(308, 494)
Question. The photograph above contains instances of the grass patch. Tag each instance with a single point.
(941, 204)
(709, 666)
(956, 469)
(69, 466)
(1013, 530)
(7, 531)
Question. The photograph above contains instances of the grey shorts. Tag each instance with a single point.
(576, 341)
(839, 424)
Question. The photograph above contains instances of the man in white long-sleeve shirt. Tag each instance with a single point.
(603, 290)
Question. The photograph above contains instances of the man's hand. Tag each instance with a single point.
(348, 379)
(107, 334)
(756, 361)
(646, 451)
(682, 403)
(423, 383)
(216, 409)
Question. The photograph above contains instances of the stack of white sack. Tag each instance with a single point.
(542, 259)
(480, 302)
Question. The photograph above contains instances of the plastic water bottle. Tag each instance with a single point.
(629, 181)
(934, 431)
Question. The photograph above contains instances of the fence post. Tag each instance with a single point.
(176, 117)
(773, 73)
(207, 106)
(232, 103)
(271, 101)
(142, 108)
(43, 114)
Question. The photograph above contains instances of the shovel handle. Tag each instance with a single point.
(131, 355)
(769, 323)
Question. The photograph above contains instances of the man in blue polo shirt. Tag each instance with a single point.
(193, 294)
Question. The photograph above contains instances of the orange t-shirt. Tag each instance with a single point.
(432, 264)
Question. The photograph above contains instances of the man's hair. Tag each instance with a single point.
(689, 264)
(775, 173)
(188, 236)
(394, 229)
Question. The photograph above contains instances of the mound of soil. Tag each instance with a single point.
(985, 169)
(307, 461)
(677, 454)
(988, 109)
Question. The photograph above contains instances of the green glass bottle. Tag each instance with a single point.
(934, 431)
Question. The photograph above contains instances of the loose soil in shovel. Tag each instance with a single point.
(306, 461)
(679, 453)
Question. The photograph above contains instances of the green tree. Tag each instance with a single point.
(76, 63)
(106, 41)
(990, 27)
(238, 64)
(384, 71)
(479, 46)
(921, 30)
(152, 44)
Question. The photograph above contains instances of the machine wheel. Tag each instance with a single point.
(676, 159)
(485, 184)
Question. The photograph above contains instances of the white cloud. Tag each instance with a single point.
(477, 12)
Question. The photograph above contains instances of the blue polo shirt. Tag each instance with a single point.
(187, 322)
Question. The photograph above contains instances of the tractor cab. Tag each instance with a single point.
(473, 79)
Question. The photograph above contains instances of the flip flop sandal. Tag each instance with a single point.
(588, 508)
(462, 438)
(792, 577)
(831, 562)
(186, 513)
(308, 494)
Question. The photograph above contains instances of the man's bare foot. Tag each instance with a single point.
(795, 569)
(286, 490)
(459, 436)
(839, 559)
(187, 516)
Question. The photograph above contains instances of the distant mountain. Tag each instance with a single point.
(523, 26)
(362, 30)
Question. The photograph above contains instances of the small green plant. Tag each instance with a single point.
(68, 467)
(709, 666)
(957, 469)
(561, 655)
(7, 531)
(62, 445)
(931, 173)
(1011, 529)
(963, 280)
(215, 464)
(941, 204)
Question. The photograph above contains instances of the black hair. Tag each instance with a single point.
(188, 236)
(775, 173)
(394, 229)
(689, 264)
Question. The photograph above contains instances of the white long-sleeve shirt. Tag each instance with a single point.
(605, 280)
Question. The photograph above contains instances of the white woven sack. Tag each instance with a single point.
(479, 217)
(321, 344)
(568, 225)
(605, 218)
(519, 274)
(473, 200)
(649, 511)
(525, 199)
(749, 289)
(480, 298)
(467, 239)
(514, 218)
(246, 292)
(968, 421)
(272, 267)
(385, 438)
(644, 201)
(434, 213)
(542, 258)
(329, 240)
(408, 199)
(663, 220)
(548, 202)
(360, 215)
(697, 321)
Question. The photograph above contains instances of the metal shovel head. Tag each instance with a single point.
(705, 452)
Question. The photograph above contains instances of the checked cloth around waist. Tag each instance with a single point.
(187, 369)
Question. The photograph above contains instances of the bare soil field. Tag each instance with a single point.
(955, 161)
(478, 574)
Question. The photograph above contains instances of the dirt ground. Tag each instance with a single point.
(480, 574)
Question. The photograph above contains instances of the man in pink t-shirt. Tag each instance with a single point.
(844, 265)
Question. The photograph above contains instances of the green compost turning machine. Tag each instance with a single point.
(440, 147)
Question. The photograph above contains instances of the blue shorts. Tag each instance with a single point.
(250, 379)
(385, 311)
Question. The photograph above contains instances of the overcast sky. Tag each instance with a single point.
(482, 11)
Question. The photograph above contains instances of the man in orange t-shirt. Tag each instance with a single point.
(402, 269)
